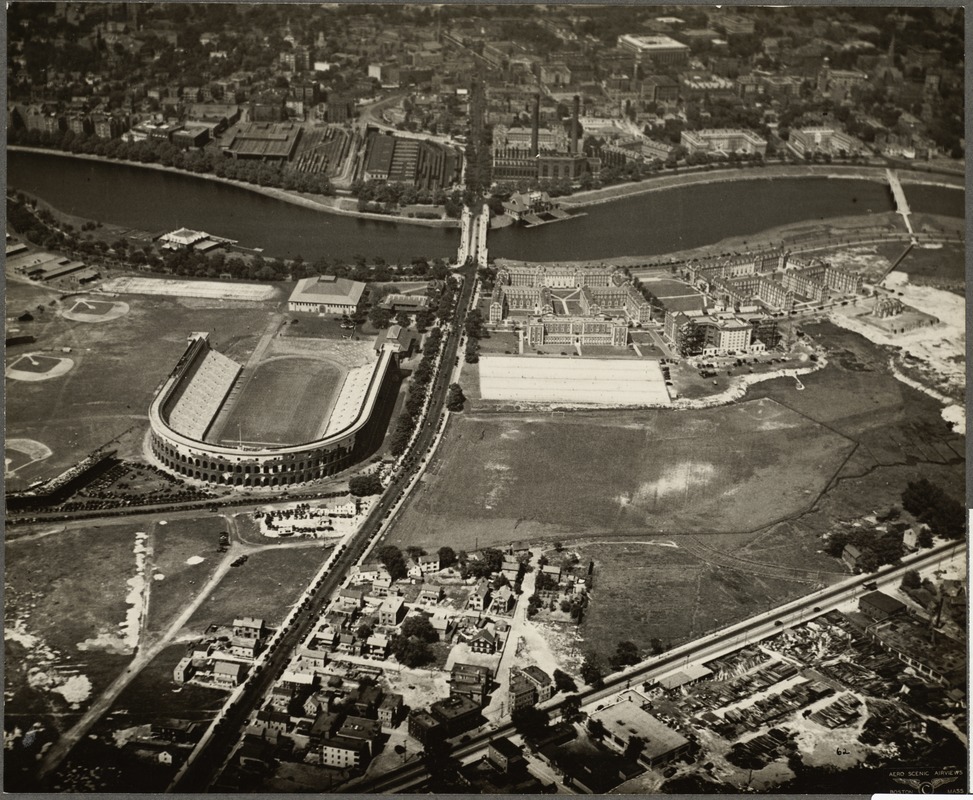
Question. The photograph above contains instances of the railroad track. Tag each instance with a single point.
(720, 558)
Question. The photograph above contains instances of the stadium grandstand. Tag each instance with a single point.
(202, 393)
(199, 386)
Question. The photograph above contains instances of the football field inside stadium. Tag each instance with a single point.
(285, 401)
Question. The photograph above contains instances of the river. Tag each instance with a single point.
(647, 224)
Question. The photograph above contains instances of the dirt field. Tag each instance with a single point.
(285, 402)
(504, 477)
(264, 587)
(118, 365)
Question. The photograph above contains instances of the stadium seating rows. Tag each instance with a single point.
(202, 397)
(350, 399)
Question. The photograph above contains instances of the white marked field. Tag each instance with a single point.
(210, 290)
(587, 381)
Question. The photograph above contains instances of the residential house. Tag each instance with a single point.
(324, 727)
(851, 555)
(442, 624)
(390, 709)
(504, 600)
(273, 719)
(470, 680)
(391, 611)
(429, 564)
(346, 643)
(245, 648)
(369, 571)
(505, 756)
(282, 696)
(248, 628)
(376, 646)
(483, 641)
(349, 598)
(343, 753)
(366, 731)
(311, 658)
(382, 585)
(429, 595)
(480, 596)
(298, 680)
(316, 704)
(227, 674)
(364, 701)
(326, 637)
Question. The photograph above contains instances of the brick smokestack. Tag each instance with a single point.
(574, 125)
(535, 125)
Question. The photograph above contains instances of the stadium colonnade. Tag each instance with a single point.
(191, 458)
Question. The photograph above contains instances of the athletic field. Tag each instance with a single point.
(588, 381)
(285, 401)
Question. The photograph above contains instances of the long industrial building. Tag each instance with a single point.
(196, 390)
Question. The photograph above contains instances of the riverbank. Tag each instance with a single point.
(676, 181)
(328, 205)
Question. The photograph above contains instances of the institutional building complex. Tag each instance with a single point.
(184, 410)
(326, 294)
(569, 305)
(742, 289)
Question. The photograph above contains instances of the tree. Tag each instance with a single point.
(380, 317)
(419, 627)
(410, 652)
(363, 485)
(364, 630)
(391, 557)
(447, 556)
(626, 653)
(591, 671)
(414, 551)
(911, 580)
(596, 728)
(564, 682)
(571, 708)
(455, 399)
(634, 748)
(924, 538)
(530, 721)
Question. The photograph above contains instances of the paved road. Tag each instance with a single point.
(203, 770)
(706, 648)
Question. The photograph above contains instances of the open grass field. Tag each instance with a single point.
(118, 365)
(645, 591)
(65, 598)
(265, 587)
(173, 545)
(694, 518)
(502, 477)
(285, 402)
